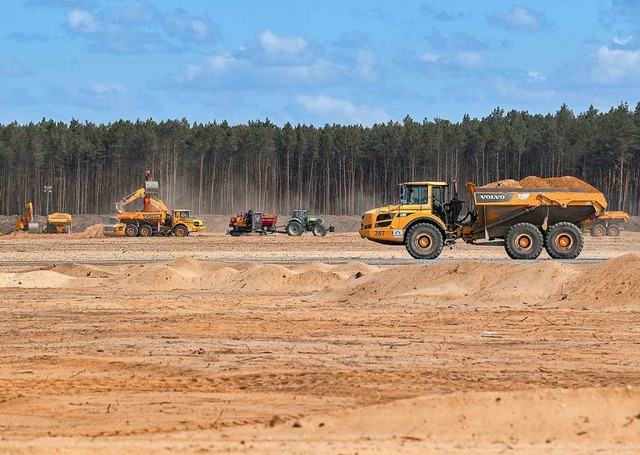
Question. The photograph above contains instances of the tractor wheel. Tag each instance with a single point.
(145, 231)
(564, 241)
(180, 231)
(294, 228)
(424, 241)
(598, 230)
(613, 230)
(319, 230)
(523, 241)
(131, 230)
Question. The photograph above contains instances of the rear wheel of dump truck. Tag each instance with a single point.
(524, 241)
(424, 241)
(613, 230)
(145, 231)
(564, 241)
(598, 230)
(131, 230)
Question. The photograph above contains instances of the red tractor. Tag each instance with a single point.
(250, 222)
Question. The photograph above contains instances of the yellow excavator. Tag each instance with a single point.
(26, 221)
(155, 217)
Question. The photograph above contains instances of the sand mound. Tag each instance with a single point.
(263, 277)
(472, 282)
(354, 268)
(92, 232)
(35, 279)
(187, 263)
(309, 266)
(531, 417)
(615, 282)
(531, 181)
(82, 271)
(314, 279)
(161, 277)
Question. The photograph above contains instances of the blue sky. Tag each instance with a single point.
(313, 62)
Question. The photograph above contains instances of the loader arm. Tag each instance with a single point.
(138, 194)
(158, 205)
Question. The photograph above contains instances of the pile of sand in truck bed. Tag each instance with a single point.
(531, 181)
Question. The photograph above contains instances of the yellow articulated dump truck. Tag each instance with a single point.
(58, 223)
(528, 220)
(609, 224)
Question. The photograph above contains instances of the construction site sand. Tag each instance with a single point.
(214, 357)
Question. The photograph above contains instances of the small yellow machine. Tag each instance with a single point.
(59, 223)
(26, 221)
(609, 224)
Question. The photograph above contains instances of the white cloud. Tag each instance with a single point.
(470, 60)
(623, 41)
(536, 76)
(342, 111)
(365, 69)
(101, 88)
(286, 45)
(82, 21)
(429, 57)
(521, 18)
(616, 65)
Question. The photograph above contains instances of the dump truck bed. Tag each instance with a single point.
(500, 208)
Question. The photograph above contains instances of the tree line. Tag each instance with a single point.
(333, 169)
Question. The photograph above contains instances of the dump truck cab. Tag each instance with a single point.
(182, 224)
(419, 203)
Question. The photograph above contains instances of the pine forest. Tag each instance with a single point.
(217, 168)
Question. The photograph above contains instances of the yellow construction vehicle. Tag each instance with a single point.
(26, 221)
(155, 218)
(526, 219)
(609, 223)
(58, 223)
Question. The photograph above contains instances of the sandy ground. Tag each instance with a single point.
(191, 354)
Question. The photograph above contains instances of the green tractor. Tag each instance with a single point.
(300, 223)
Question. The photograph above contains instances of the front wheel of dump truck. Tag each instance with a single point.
(180, 231)
(564, 241)
(613, 230)
(524, 241)
(424, 241)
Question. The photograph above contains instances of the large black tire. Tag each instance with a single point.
(319, 230)
(598, 230)
(294, 228)
(564, 241)
(524, 241)
(131, 230)
(424, 241)
(145, 231)
(613, 230)
(180, 230)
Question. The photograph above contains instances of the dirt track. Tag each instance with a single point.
(190, 356)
